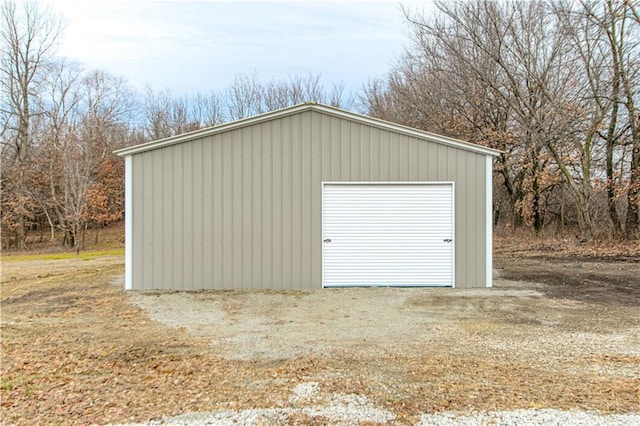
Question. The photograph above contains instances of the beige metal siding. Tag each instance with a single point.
(242, 209)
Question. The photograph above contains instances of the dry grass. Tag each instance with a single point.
(110, 238)
(76, 351)
(524, 243)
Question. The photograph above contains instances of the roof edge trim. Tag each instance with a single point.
(308, 106)
(410, 131)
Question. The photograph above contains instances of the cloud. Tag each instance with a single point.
(181, 44)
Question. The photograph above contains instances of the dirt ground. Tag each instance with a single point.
(379, 322)
(556, 331)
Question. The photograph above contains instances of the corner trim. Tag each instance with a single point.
(453, 233)
(128, 222)
(489, 220)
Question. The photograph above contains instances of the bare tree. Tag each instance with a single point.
(605, 36)
(207, 109)
(157, 113)
(629, 72)
(105, 104)
(338, 96)
(377, 100)
(244, 97)
(60, 101)
(248, 95)
(553, 84)
(276, 95)
(28, 39)
(167, 115)
(85, 113)
(484, 69)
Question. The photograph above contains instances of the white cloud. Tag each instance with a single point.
(201, 45)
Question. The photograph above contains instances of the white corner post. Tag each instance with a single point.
(489, 220)
(128, 222)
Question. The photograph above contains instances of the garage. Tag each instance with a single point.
(388, 234)
(307, 197)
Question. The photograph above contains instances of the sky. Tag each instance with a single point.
(200, 45)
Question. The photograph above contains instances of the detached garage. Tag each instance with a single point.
(307, 197)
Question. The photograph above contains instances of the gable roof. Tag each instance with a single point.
(308, 106)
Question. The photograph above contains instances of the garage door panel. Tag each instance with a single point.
(387, 234)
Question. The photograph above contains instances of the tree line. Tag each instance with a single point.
(60, 123)
(554, 85)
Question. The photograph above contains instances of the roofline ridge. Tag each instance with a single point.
(306, 106)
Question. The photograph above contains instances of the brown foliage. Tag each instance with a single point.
(553, 84)
(77, 351)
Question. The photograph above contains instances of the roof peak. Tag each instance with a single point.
(308, 106)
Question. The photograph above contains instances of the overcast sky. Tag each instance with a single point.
(191, 46)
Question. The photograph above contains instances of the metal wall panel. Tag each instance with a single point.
(242, 209)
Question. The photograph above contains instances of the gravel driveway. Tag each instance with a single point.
(370, 322)
(514, 322)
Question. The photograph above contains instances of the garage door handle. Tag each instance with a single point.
(447, 240)
(328, 240)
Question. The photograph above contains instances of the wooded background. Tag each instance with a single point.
(555, 85)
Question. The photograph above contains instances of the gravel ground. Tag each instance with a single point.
(511, 318)
(512, 321)
(305, 400)
(346, 415)
(547, 417)
(355, 410)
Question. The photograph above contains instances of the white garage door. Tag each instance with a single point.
(387, 234)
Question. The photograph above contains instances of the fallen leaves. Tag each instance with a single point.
(75, 351)
(523, 243)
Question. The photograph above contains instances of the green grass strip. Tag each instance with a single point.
(84, 255)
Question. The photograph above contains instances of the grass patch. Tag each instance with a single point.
(86, 255)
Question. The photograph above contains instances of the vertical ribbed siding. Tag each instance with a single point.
(242, 209)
